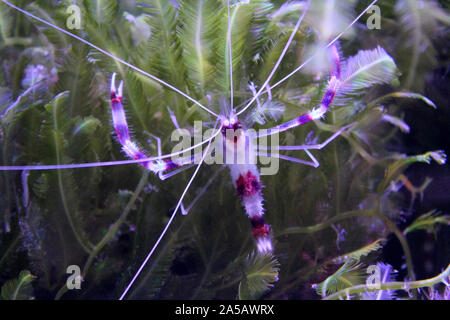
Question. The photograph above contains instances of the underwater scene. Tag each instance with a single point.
(224, 150)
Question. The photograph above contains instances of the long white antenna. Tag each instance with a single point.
(308, 60)
(167, 225)
(230, 57)
(327, 46)
(288, 43)
(105, 163)
(112, 56)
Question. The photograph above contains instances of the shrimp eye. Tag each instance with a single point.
(232, 120)
(226, 123)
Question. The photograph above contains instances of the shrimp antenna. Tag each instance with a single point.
(230, 56)
(304, 63)
(168, 223)
(112, 56)
(105, 163)
(327, 46)
(286, 47)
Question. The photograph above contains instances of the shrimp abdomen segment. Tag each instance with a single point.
(247, 182)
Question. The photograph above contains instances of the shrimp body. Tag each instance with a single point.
(246, 179)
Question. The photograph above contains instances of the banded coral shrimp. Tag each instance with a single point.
(188, 246)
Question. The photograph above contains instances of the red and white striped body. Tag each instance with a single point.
(246, 180)
(240, 153)
(248, 185)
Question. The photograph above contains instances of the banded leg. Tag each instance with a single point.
(121, 125)
(124, 138)
(327, 100)
(315, 114)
